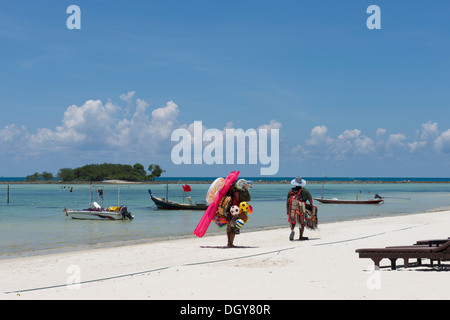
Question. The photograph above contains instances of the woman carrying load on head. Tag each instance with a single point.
(298, 192)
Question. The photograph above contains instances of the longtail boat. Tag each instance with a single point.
(338, 201)
(165, 203)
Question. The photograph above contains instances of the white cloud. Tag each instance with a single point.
(90, 123)
(112, 129)
(425, 139)
(319, 137)
(320, 144)
(164, 120)
(273, 124)
(100, 131)
(10, 134)
(128, 96)
(429, 130)
(364, 145)
(316, 145)
(380, 132)
(349, 142)
(144, 133)
(442, 143)
(395, 141)
(416, 146)
(98, 126)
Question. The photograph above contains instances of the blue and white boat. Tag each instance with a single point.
(98, 212)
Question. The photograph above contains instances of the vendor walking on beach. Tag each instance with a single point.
(239, 193)
(300, 193)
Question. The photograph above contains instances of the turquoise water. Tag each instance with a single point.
(34, 223)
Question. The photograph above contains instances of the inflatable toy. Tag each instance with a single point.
(244, 184)
(209, 214)
(214, 188)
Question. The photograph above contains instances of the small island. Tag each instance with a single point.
(101, 172)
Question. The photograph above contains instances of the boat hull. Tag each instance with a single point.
(95, 215)
(337, 201)
(171, 205)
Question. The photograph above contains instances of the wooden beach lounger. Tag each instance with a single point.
(433, 242)
(439, 252)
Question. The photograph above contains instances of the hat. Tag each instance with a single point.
(298, 182)
(244, 184)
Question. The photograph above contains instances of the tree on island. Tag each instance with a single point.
(156, 171)
(46, 176)
(66, 174)
(109, 171)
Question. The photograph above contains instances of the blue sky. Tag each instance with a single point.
(348, 101)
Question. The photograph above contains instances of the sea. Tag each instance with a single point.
(32, 220)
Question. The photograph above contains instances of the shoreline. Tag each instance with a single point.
(264, 262)
(125, 243)
(261, 181)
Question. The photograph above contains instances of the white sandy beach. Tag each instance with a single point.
(267, 266)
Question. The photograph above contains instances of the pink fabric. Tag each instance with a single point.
(209, 214)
